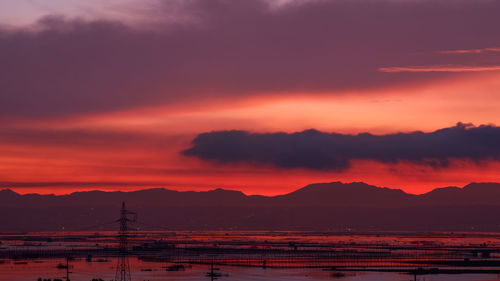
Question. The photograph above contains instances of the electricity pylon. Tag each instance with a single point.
(123, 267)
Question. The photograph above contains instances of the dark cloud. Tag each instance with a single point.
(316, 150)
(235, 48)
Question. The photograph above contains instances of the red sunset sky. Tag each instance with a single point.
(108, 96)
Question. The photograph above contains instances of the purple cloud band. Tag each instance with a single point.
(316, 150)
(235, 48)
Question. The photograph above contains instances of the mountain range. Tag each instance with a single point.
(332, 206)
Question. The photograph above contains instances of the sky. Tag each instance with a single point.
(261, 96)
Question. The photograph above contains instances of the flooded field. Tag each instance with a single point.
(252, 255)
(84, 271)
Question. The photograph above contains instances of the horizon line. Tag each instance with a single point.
(235, 190)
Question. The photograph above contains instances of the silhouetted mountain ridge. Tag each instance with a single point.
(155, 196)
(321, 206)
(344, 194)
(332, 194)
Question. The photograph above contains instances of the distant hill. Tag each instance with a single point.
(323, 206)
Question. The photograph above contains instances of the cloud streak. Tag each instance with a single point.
(316, 150)
(440, 68)
(471, 51)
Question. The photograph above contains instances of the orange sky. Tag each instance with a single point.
(139, 148)
(107, 94)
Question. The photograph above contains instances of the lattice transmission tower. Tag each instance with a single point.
(123, 267)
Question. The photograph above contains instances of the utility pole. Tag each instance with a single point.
(67, 269)
(123, 267)
(212, 274)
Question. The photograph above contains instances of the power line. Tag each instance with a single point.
(94, 227)
(154, 226)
